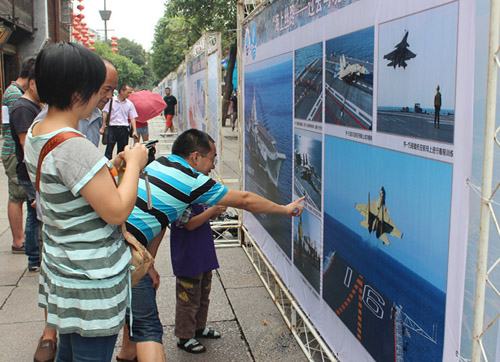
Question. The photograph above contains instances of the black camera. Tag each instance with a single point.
(150, 145)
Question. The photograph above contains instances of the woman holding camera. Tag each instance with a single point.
(84, 271)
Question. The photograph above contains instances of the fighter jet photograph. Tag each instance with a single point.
(405, 96)
(377, 218)
(349, 72)
(399, 56)
(349, 79)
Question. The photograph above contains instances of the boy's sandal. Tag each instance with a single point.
(191, 346)
(118, 359)
(207, 333)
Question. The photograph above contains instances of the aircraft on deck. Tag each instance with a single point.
(349, 72)
(377, 218)
(399, 56)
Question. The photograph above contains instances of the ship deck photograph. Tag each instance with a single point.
(307, 248)
(308, 167)
(417, 70)
(349, 79)
(268, 125)
(309, 83)
(389, 224)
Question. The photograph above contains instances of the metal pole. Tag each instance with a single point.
(240, 14)
(105, 25)
(484, 226)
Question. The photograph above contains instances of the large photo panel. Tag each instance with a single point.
(268, 140)
(417, 70)
(386, 237)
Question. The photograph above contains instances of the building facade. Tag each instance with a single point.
(26, 26)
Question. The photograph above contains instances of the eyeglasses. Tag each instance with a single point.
(210, 158)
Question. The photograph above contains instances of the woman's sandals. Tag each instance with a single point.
(191, 346)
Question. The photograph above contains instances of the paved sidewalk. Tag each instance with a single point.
(251, 326)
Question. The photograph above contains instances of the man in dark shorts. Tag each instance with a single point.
(170, 111)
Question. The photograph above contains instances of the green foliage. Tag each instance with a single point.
(183, 24)
(132, 62)
(132, 50)
(170, 44)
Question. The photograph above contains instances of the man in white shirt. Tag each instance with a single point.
(122, 110)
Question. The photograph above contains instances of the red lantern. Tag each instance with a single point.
(81, 16)
(75, 15)
(80, 7)
(78, 28)
(78, 36)
(78, 20)
(75, 33)
(91, 35)
(92, 42)
(114, 44)
(114, 37)
(84, 31)
(92, 48)
(115, 50)
(84, 24)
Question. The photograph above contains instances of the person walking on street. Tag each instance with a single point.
(17, 194)
(122, 110)
(170, 111)
(234, 105)
(22, 116)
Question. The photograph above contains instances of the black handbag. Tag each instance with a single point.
(105, 134)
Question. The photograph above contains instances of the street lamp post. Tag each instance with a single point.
(105, 15)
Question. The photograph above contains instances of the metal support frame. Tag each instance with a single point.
(487, 211)
(309, 339)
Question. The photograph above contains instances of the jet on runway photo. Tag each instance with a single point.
(377, 218)
(399, 56)
(349, 72)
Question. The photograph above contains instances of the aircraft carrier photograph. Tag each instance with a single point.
(349, 79)
(268, 121)
(415, 99)
(306, 247)
(309, 83)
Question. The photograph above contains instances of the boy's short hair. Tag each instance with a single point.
(65, 70)
(27, 65)
(190, 141)
(31, 73)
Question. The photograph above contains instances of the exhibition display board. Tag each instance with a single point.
(196, 83)
(365, 108)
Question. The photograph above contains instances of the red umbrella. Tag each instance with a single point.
(147, 104)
